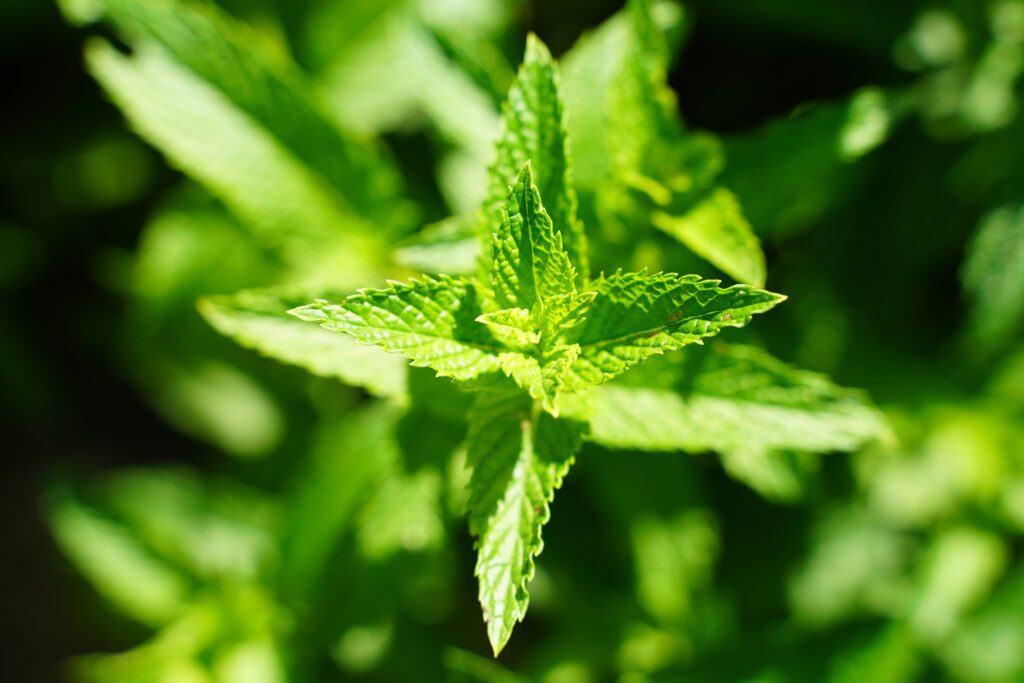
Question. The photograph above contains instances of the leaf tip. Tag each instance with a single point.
(536, 50)
(313, 312)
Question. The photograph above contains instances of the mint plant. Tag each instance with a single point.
(533, 316)
(547, 304)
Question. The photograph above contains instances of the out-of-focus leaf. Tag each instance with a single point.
(716, 230)
(589, 69)
(170, 656)
(124, 571)
(348, 462)
(467, 667)
(217, 402)
(262, 83)
(779, 475)
(396, 70)
(993, 275)
(855, 566)
(673, 560)
(955, 459)
(404, 515)
(806, 159)
(256, 661)
(213, 529)
(288, 207)
(448, 247)
(890, 656)
(729, 399)
(260, 320)
(988, 647)
(959, 570)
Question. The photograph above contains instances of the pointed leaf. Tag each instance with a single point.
(716, 230)
(432, 322)
(518, 461)
(636, 315)
(533, 129)
(529, 263)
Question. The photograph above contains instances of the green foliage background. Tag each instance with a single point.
(187, 509)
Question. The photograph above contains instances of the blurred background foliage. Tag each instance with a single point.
(212, 515)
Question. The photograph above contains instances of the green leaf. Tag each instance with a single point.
(544, 375)
(123, 570)
(404, 515)
(258, 319)
(808, 158)
(213, 529)
(597, 72)
(260, 81)
(641, 107)
(448, 247)
(513, 326)
(716, 230)
(432, 322)
(534, 130)
(349, 460)
(636, 315)
(529, 264)
(518, 461)
(286, 206)
(993, 275)
(564, 312)
(729, 399)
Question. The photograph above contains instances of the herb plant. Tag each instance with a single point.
(543, 303)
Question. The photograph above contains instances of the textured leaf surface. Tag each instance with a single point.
(542, 375)
(636, 315)
(259, 320)
(730, 399)
(513, 326)
(518, 461)
(716, 230)
(533, 130)
(432, 322)
(529, 263)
